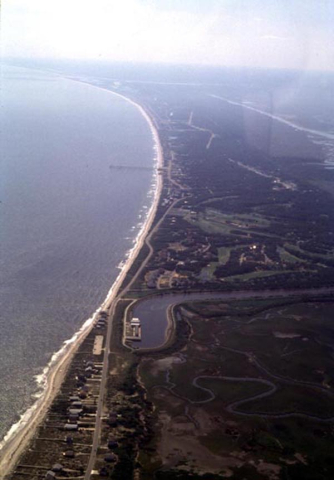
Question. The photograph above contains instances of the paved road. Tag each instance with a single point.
(104, 377)
(98, 423)
(239, 295)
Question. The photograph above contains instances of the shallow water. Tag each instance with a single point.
(67, 218)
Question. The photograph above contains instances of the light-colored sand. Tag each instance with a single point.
(98, 342)
(286, 335)
(15, 445)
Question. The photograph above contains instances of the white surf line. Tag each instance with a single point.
(16, 439)
(276, 117)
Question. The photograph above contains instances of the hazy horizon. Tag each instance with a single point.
(276, 35)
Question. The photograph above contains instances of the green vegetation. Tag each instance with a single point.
(258, 274)
(283, 342)
(291, 399)
(213, 221)
(228, 391)
(244, 219)
(307, 254)
(209, 271)
(287, 257)
(224, 254)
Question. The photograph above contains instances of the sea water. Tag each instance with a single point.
(68, 216)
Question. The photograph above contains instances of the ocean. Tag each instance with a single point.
(77, 180)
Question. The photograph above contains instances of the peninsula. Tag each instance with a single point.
(233, 279)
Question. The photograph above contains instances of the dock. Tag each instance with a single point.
(133, 330)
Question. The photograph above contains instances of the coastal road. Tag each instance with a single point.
(104, 377)
(223, 295)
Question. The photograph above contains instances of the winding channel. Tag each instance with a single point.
(272, 389)
(160, 316)
(233, 407)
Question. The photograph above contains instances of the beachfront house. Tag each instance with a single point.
(72, 427)
(50, 475)
(57, 468)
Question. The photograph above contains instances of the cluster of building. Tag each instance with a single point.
(63, 443)
(82, 407)
(80, 400)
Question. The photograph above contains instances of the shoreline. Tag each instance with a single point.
(16, 442)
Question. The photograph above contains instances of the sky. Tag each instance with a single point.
(295, 34)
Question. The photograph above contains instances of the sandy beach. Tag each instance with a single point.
(18, 441)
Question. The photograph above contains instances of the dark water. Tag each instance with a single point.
(152, 312)
(67, 219)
